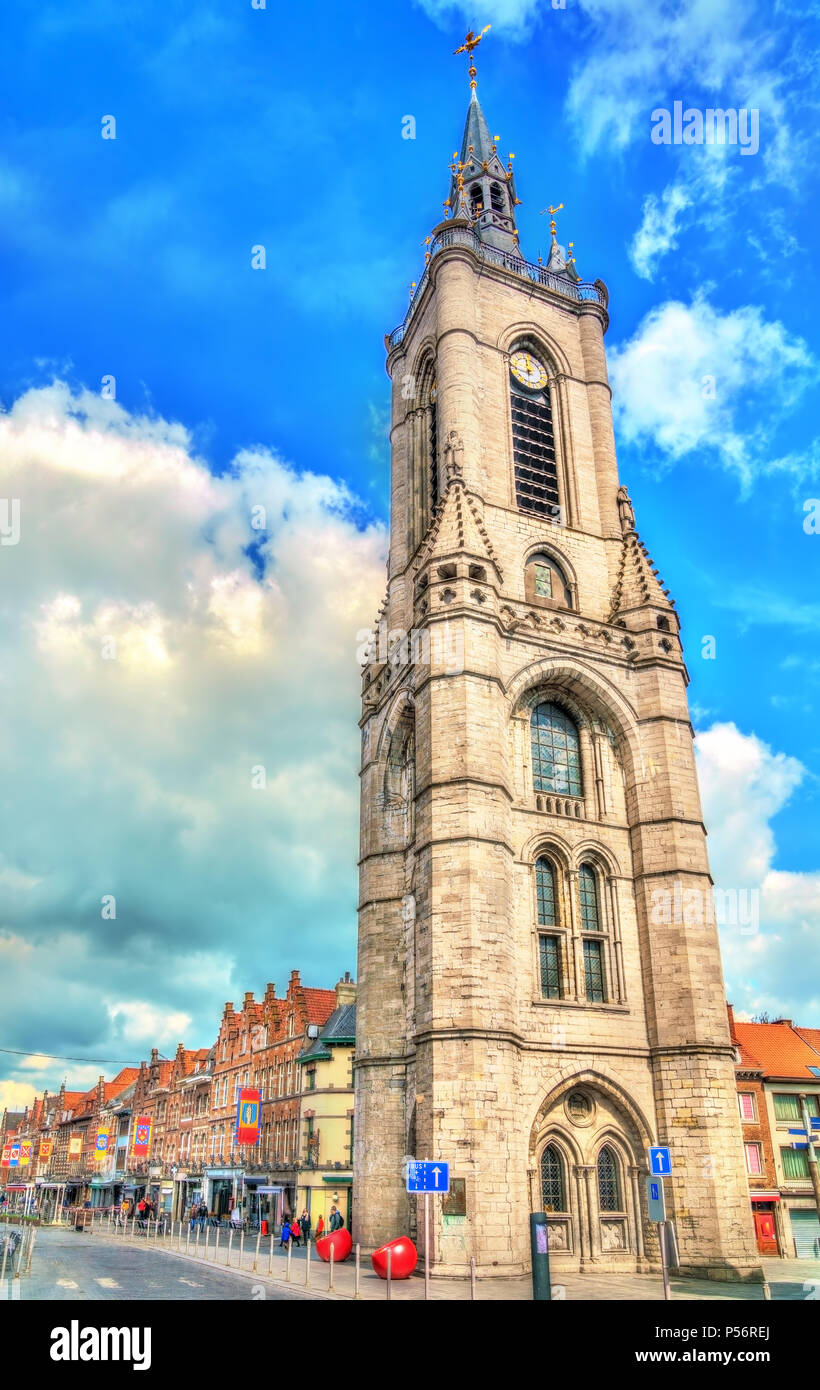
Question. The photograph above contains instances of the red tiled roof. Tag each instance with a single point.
(320, 1004)
(778, 1048)
(812, 1037)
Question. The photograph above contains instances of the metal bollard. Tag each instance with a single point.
(216, 1246)
(389, 1270)
(5, 1257)
(256, 1251)
(196, 1242)
(207, 1238)
(356, 1293)
(230, 1246)
(241, 1246)
(109, 1222)
(290, 1252)
(472, 1276)
(767, 1293)
(30, 1251)
(307, 1265)
(188, 1239)
(270, 1254)
(330, 1279)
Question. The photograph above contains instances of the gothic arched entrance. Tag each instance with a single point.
(586, 1167)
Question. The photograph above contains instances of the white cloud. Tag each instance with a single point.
(147, 1026)
(682, 382)
(658, 232)
(131, 774)
(744, 784)
(512, 16)
(16, 1095)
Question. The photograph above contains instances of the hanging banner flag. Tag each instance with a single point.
(14, 1159)
(6, 1159)
(25, 1152)
(46, 1145)
(247, 1117)
(142, 1136)
(75, 1146)
(101, 1143)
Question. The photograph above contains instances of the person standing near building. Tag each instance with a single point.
(320, 1228)
(285, 1236)
(336, 1219)
(304, 1223)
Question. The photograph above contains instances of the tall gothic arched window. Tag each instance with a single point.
(553, 1188)
(536, 471)
(549, 942)
(592, 928)
(609, 1186)
(556, 758)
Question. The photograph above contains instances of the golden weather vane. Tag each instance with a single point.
(469, 46)
(552, 211)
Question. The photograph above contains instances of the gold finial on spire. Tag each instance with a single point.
(426, 245)
(552, 211)
(469, 46)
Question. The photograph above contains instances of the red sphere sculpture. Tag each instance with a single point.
(403, 1260)
(340, 1242)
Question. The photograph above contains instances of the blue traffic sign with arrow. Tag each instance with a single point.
(428, 1177)
(660, 1162)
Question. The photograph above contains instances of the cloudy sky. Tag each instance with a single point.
(179, 688)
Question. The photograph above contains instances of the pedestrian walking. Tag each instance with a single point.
(285, 1235)
(295, 1232)
(304, 1225)
(202, 1212)
(336, 1219)
(320, 1228)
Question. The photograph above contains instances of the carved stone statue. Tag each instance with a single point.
(625, 511)
(453, 457)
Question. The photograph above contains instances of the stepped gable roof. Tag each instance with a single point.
(638, 582)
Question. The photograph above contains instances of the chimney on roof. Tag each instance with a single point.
(346, 990)
(787, 1023)
(228, 1010)
(248, 1000)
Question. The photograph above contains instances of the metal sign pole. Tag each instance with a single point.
(427, 1245)
(664, 1264)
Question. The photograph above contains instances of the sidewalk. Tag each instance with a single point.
(793, 1280)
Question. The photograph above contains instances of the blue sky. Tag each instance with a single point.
(238, 127)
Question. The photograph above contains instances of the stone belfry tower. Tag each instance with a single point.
(540, 986)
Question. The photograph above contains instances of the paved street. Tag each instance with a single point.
(71, 1266)
(99, 1266)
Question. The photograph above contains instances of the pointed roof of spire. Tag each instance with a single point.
(476, 133)
(638, 583)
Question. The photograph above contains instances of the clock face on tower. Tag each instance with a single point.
(528, 370)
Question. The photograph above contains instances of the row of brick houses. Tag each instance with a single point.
(778, 1084)
(297, 1051)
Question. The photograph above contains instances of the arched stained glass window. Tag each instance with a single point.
(590, 907)
(609, 1188)
(556, 760)
(545, 890)
(552, 1180)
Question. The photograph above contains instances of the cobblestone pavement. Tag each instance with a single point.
(69, 1266)
(102, 1266)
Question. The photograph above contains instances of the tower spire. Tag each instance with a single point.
(482, 191)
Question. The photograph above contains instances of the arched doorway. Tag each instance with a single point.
(586, 1169)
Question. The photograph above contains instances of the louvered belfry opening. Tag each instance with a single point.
(433, 455)
(536, 473)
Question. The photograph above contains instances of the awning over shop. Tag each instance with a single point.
(765, 1196)
(338, 1182)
